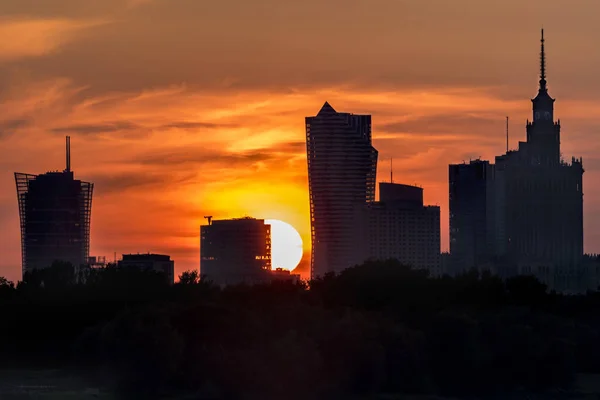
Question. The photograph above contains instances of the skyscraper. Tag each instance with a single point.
(540, 201)
(342, 167)
(526, 211)
(55, 211)
(235, 251)
(471, 223)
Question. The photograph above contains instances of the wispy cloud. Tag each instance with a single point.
(38, 37)
(116, 126)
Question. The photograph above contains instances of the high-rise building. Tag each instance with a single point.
(155, 262)
(342, 167)
(400, 227)
(235, 251)
(540, 196)
(55, 211)
(526, 211)
(471, 204)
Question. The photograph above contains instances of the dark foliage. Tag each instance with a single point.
(376, 328)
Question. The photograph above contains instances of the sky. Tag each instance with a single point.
(178, 109)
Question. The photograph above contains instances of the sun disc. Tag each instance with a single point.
(286, 245)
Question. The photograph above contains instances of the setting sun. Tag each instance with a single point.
(286, 245)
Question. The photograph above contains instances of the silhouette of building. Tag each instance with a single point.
(55, 212)
(342, 167)
(153, 262)
(471, 188)
(537, 204)
(541, 195)
(281, 274)
(96, 262)
(402, 228)
(235, 251)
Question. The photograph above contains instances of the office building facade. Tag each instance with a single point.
(400, 227)
(471, 198)
(55, 215)
(154, 262)
(342, 168)
(235, 251)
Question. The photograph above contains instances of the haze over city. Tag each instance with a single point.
(180, 109)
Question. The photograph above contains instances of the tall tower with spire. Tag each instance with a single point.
(539, 199)
(543, 133)
(533, 213)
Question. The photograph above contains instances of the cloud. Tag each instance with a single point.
(203, 156)
(195, 125)
(105, 127)
(470, 124)
(37, 37)
(8, 127)
(111, 183)
(291, 147)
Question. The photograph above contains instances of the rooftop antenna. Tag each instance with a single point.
(68, 154)
(391, 170)
(507, 134)
(208, 218)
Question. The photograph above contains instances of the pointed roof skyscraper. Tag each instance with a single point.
(326, 109)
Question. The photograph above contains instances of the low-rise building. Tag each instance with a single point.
(155, 262)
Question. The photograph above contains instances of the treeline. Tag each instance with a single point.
(376, 328)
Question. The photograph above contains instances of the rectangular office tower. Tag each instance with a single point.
(342, 167)
(400, 227)
(235, 251)
(55, 212)
(471, 188)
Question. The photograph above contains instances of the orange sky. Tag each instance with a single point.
(183, 108)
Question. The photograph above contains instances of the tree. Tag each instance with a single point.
(6, 283)
(6, 287)
(191, 277)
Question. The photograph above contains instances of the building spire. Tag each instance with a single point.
(542, 64)
(68, 154)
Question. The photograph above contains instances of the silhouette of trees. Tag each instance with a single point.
(376, 328)
(189, 278)
(6, 288)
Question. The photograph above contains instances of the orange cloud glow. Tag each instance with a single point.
(37, 37)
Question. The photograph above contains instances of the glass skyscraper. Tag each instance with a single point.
(342, 167)
(55, 211)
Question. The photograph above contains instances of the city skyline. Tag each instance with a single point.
(206, 130)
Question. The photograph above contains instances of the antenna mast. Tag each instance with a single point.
(68, 154)
(391, 170)
(507, 134)
(542, 64)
